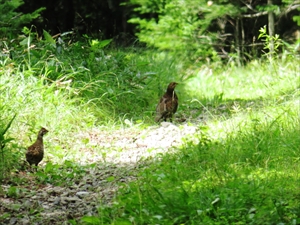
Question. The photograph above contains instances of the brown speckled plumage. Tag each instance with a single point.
(168, 104)
(35, 152)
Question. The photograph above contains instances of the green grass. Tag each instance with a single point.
(245, 168)
(71, 92)
(247, 174)
(255, 81)
(242, 167)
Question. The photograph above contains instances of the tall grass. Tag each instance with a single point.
(254, 81)
(6, 158)
(243, 170)
(249, 177)
(76, 88)
(245, 167)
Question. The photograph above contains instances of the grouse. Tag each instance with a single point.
(168, 104)
(35, 152)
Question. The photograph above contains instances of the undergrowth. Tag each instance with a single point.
(70, 88)
(249, 177)
(243, 168)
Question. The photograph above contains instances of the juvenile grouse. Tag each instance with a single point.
(35, 152)
(168, 104)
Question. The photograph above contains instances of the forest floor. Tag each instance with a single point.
(116, 157)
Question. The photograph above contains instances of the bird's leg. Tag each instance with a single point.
(33, 169)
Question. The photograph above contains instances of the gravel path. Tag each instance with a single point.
(33, 203)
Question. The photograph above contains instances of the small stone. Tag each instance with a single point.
(165, 124)
(46, 206)
(82, 194)
(56, 201)
(63, 201)
(70, 199)
(13, 220)
(24, 221)
(27, 204)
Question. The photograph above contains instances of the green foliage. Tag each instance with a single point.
(275, 41)
(12, 20)
(78, 87)
(180, 25)
(90, 220)
(6, 151)
(240, 87)
(48, 38)
(121, 81)
(243, 168)
(297, 19)
(240, 170)
(292, 3)
(205, 30)
(13, 192)
(248, 177)
(39, 101)
(60, 174)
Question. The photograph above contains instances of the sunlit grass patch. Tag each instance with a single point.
(243, 175)
(243, 170)
(38, 102)
(253, 82)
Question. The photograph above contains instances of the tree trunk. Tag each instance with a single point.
(237, 41)
(271, 27)
(243, 41)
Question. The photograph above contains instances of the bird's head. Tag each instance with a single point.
(43, 131)
(172, 86)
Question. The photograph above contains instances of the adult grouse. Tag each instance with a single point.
(168, 104)
(35, 152)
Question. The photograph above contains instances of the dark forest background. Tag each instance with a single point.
(200, 27)
(105, 19)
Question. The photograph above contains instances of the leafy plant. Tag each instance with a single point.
(60, 174)
(5, 154)
(12, 20)
(179, 24)
(268, 40)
